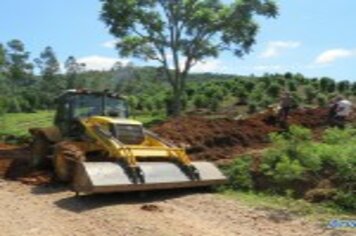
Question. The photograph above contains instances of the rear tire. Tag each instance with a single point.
(40, 148)
(66, 158)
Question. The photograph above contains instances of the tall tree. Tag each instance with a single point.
(51, 83)
(3, 86)
(18, 68)
(180, 33)
(48, 63)
(2, 57)
(73, 68)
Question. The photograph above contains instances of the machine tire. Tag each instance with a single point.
(40, 148)
(66, 158)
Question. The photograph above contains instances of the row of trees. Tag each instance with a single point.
(27, 85)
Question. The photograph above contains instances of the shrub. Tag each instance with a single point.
(310, 94)
(325, 84)
(14, 105)
(343, 86)
(338, 136)
(273, 90)
(242, 96)
(287, 170)
(239, 173)
(252, 107)
(302, 166)
(288, 75)
(346, 200)
(200, 101)
(265, 102)
(292, 86)
(214, 103)
(256, 95)
(321, 99)
(249, 86)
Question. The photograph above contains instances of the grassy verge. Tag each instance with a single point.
(17, 124)
(322, 212)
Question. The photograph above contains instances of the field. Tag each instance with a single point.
(225, 211)
(17, 124)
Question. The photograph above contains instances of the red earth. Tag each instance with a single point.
(216, 139)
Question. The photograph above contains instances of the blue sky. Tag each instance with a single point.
(314, 37)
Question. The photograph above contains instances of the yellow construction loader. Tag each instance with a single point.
(95, 147)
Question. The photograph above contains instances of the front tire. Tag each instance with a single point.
(66, 158)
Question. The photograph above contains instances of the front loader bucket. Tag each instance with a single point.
(104, 177)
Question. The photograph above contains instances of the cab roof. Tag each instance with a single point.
(90, 92)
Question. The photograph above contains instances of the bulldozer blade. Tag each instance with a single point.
(104, 177)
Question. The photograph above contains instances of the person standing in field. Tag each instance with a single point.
(332, 109)
(285, 106)
(343, 110)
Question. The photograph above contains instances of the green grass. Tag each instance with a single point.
(18, 123)
(321, 211)
(149, 119)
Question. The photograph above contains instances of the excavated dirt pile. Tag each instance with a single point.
(216, 139)
(14, 165)
(310, 118)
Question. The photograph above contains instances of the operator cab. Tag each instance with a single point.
(74, 105)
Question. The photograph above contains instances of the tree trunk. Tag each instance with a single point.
(175, 106)
(176, 102)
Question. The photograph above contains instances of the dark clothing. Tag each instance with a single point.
(334, 119)
(339, 121)
(284, 113)
(286, 102)
(332, 112)
(286, 105)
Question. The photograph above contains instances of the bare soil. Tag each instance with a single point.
(52, 210)
(222, 139)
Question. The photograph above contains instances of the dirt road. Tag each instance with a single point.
(30, 210)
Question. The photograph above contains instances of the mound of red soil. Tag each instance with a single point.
(310, 118)
(216, 139)
(14, 165)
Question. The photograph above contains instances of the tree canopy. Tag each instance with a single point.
(180, 33)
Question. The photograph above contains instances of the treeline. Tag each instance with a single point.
(23, 90)
(28, 85)
(260, 92)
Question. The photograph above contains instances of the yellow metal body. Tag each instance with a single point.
(97, 127)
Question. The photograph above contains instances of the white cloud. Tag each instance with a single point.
(275, 48)
(212, 65)
(95, 62)
(109, 44)
(332, 55)
(208, 65)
